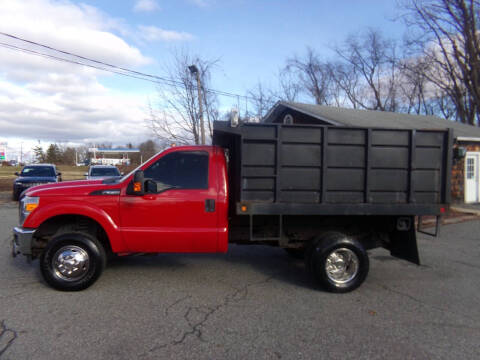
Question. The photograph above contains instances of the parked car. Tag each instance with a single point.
(96, 172)
(33, 175)
(328, 193)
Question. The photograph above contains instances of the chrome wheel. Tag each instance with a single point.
(342, 265)
(70, 263)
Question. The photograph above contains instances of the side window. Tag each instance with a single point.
(180, 170)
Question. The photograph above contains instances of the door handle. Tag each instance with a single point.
(209, 205)
(149, 197)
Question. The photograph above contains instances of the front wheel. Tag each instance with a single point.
(72, 261)
(339, 263)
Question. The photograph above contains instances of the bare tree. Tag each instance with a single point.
(175, 115)
(368, 71)
(313, 74)
(414, 88)
(289, 86)
(447, 34)
(261, 99)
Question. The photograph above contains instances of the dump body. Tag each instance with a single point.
(326, 194)
(321, 170)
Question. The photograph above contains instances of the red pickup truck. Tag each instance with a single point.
(304, 188)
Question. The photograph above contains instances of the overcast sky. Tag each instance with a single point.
(48, 101)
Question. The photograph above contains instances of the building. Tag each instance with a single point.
(466, 163)
(117, 156)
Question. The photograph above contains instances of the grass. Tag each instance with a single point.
(7, 174)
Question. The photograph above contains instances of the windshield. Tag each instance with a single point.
(104, 172)
(138, 167)
(119, 180)
(40, 171)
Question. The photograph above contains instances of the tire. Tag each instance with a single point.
(296, 253)
(72, 261)
(338, 262)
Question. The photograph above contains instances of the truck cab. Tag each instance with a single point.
(179, 206)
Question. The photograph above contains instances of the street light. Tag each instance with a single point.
(194, 71)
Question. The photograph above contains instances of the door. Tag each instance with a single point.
(471, 178)
(181, 215)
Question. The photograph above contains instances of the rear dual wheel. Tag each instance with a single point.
(338, 262)
(72, 261)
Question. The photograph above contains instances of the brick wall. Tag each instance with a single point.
(458, 172)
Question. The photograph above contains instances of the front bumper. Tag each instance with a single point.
(22, 241)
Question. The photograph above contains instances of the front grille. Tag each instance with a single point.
(35, 184)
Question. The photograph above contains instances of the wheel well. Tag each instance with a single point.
(68, 223)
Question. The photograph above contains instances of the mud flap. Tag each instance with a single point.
(403, 244)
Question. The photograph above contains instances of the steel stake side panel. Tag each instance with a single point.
(310, 169)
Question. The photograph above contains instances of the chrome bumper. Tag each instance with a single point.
(22, 241)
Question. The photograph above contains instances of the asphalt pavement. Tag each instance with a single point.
(253, 303)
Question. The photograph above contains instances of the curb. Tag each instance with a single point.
(465, 210)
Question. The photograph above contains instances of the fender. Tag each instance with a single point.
(48, 211)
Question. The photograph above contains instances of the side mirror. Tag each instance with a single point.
(137, 186)
(59, 173)
(121, 174)
(86, 174)
(16, 173)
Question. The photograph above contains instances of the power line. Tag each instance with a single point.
(101, 65)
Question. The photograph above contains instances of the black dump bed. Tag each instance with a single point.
(310, 169)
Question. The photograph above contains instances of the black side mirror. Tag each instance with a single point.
(59, 173)
(137, 186)
(16, 173)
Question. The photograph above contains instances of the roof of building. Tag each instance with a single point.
(370, 118)
(115, 150)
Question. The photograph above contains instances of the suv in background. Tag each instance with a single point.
(96, 172)
(33, 175)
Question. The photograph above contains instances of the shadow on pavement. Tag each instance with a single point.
(270, 261)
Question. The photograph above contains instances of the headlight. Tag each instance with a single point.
(27, 205)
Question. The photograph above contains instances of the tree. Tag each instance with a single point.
(289, 87)
(446, 34)
(148, 149)
(368, 72)
(67, 156)
(39, 154)
(175, 117)
(261, 100)
(313, 75)
(53, 154)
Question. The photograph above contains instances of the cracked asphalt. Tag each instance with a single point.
(252, 303)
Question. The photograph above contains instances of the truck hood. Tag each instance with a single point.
(78, 187)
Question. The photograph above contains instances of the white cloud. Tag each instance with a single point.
(56, 101)
(146, 6)
(153, 33)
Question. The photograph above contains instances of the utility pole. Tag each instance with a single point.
(194, 71)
